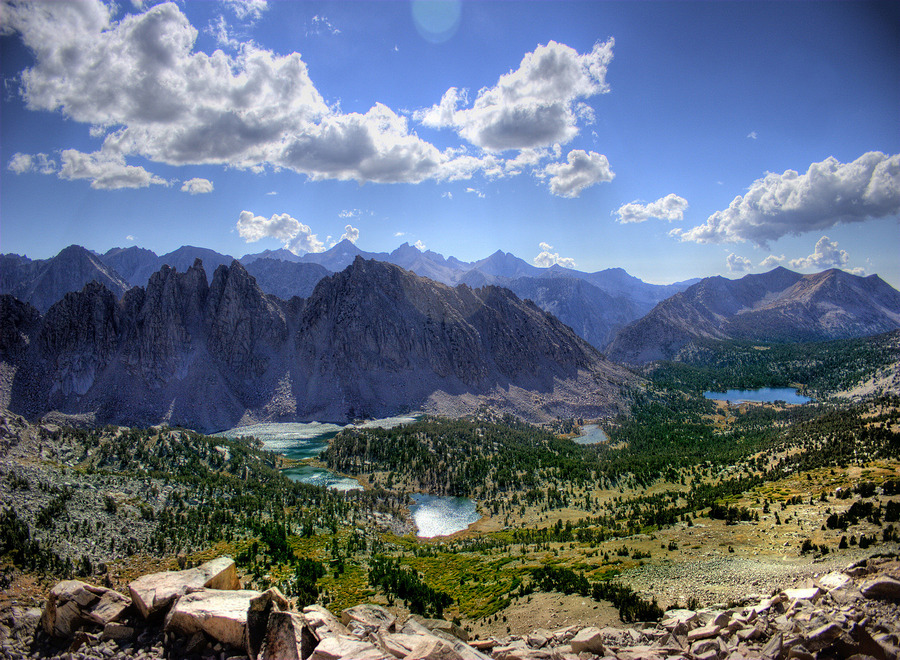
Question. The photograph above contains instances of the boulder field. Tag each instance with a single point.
(203, 613)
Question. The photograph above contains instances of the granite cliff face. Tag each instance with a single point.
(777, 306)
(370, 341)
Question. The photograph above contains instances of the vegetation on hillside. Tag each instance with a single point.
(821, 368)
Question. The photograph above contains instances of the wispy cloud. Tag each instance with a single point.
(26, 163)
(320, 25)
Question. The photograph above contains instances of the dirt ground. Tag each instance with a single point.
(549, 611)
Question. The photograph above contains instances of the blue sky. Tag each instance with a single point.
(673, 139)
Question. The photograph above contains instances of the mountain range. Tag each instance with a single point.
(372, 340)
(778, 306)
(633, 321)
(596, 305)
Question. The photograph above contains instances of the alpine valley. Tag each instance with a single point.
(624, 508)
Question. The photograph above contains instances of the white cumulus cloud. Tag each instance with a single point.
(547, 258)
(305, 241)
(537, 105)
(105, 170)
(581, 170)
(197, 186)
(826, 254)
(737, 264)
(830, 193)
(772, 260)
(350, 234)
(420, 246)
(293, 234)
(140, 84)
(671, 208)
(280, 226)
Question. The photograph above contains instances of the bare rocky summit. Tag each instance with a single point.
(370, 341)
(842, 614)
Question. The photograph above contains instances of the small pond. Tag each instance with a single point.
(441, 516)
(317, 476)
(591, 434)
(761, 395)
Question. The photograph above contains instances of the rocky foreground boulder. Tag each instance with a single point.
(853, 613)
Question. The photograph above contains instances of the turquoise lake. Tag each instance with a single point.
(433, 515)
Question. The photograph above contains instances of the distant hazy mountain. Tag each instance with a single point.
(618, 283)
(286, 279)
(340, 256)
(136, 264)
(505, 266)
(185, 256)
(593, 314)
(133, 263)
(281, 254)
(427, 264)
(42, 283)
(777, 306)
(369, 341)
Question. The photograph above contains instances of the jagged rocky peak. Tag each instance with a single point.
(87, 317)
(180, 297)
(372, 340)
(82, 332)
(169, 318)
(241, 319)
(377, 314)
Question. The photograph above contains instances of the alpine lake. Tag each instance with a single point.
(433, 515)
(760, 395)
